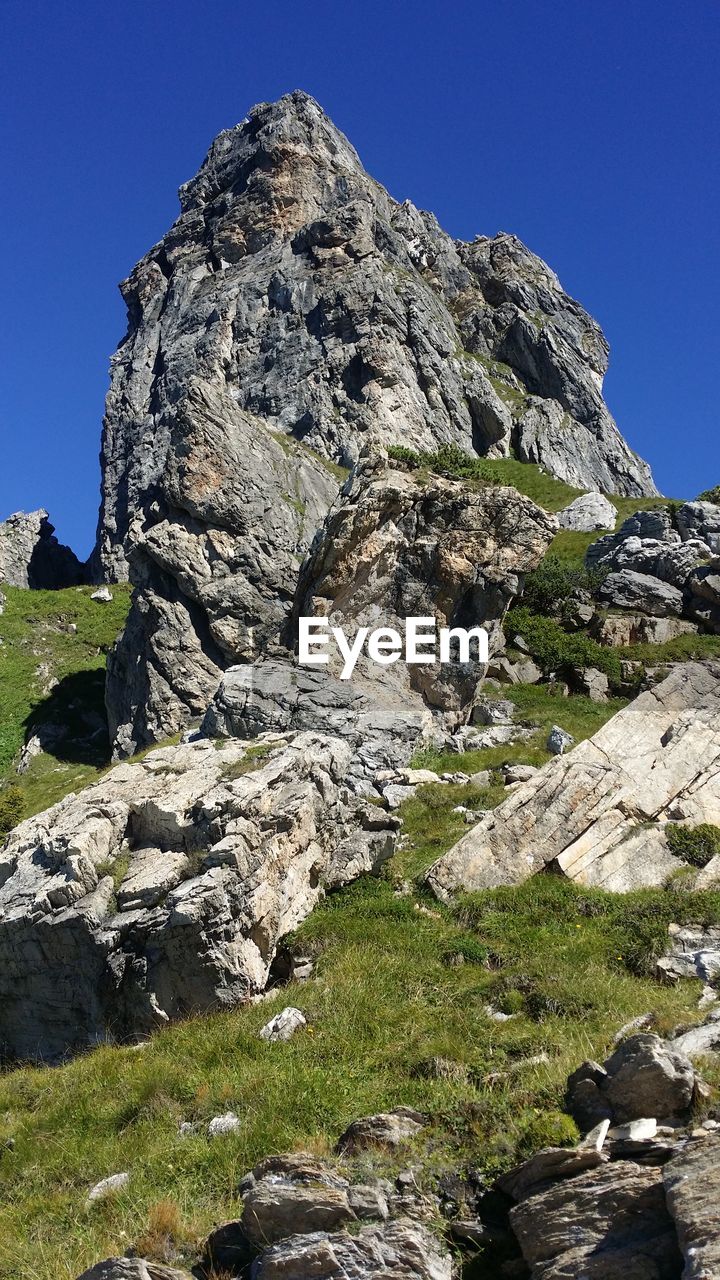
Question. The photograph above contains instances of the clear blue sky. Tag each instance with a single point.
(588, 127)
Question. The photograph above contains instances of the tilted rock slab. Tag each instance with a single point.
(295, 306)
(214, 865)
(586, 812)
(610, 1223)
(393, 546)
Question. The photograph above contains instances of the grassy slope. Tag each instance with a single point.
(38, 644)
(400, 981)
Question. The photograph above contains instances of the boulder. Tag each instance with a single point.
(132, 1269)
(256, 836)
(701, 521)
(641, 592)
(645, 1076)
(620, 629)
(587, 513)
(276, 1208)
(597, 813)
(609, 1223)
(402, 1249)
(386, 1129)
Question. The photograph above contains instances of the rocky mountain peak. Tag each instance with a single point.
(294, 314)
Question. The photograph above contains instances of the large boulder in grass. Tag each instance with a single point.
(218, 854)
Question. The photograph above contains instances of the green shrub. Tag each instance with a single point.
(11, 809)
(554, 650)
(710, 495)
(696, 845)
(548, 588)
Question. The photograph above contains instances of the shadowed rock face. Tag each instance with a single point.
(296, 307)
(31, 556)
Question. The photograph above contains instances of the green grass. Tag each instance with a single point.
(39, 645)
(682, 649)
(526, 477)
(396, 989)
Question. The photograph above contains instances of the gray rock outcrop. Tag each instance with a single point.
(31, 556)
(132, 1269)
(165, 888)
(392, 547)
(295, 307)
(664, 566)
(645, 1076)
(402, 1249)
(597, 814)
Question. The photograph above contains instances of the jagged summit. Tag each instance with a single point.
(294, 303)
(328, 309)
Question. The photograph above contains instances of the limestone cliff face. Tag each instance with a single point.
(293, 313)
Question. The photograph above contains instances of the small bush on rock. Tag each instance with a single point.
(710, 495)
(696, 845)
(549, 587)
(555, 650)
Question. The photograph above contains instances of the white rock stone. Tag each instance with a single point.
(220, 1125)
(587, 513)
(284, 1025)
(598, 812)
(108, 1186)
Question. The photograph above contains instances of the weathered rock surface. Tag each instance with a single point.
(692, 1187)
(611, 1223)
(391, 548)
(587, 812)
(294, 306)
(31, 556)
(645, 1076)
(386, 1129)
(402, 1249)
(664, 566)
(214, 864)
(588, 512)
(132, 1269)
(619, 629)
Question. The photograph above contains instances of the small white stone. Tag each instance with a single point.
(107, 1186)
(103, 594)
(283, 1025)
(635, 1131)
(219, 1125)
(593, 1141)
